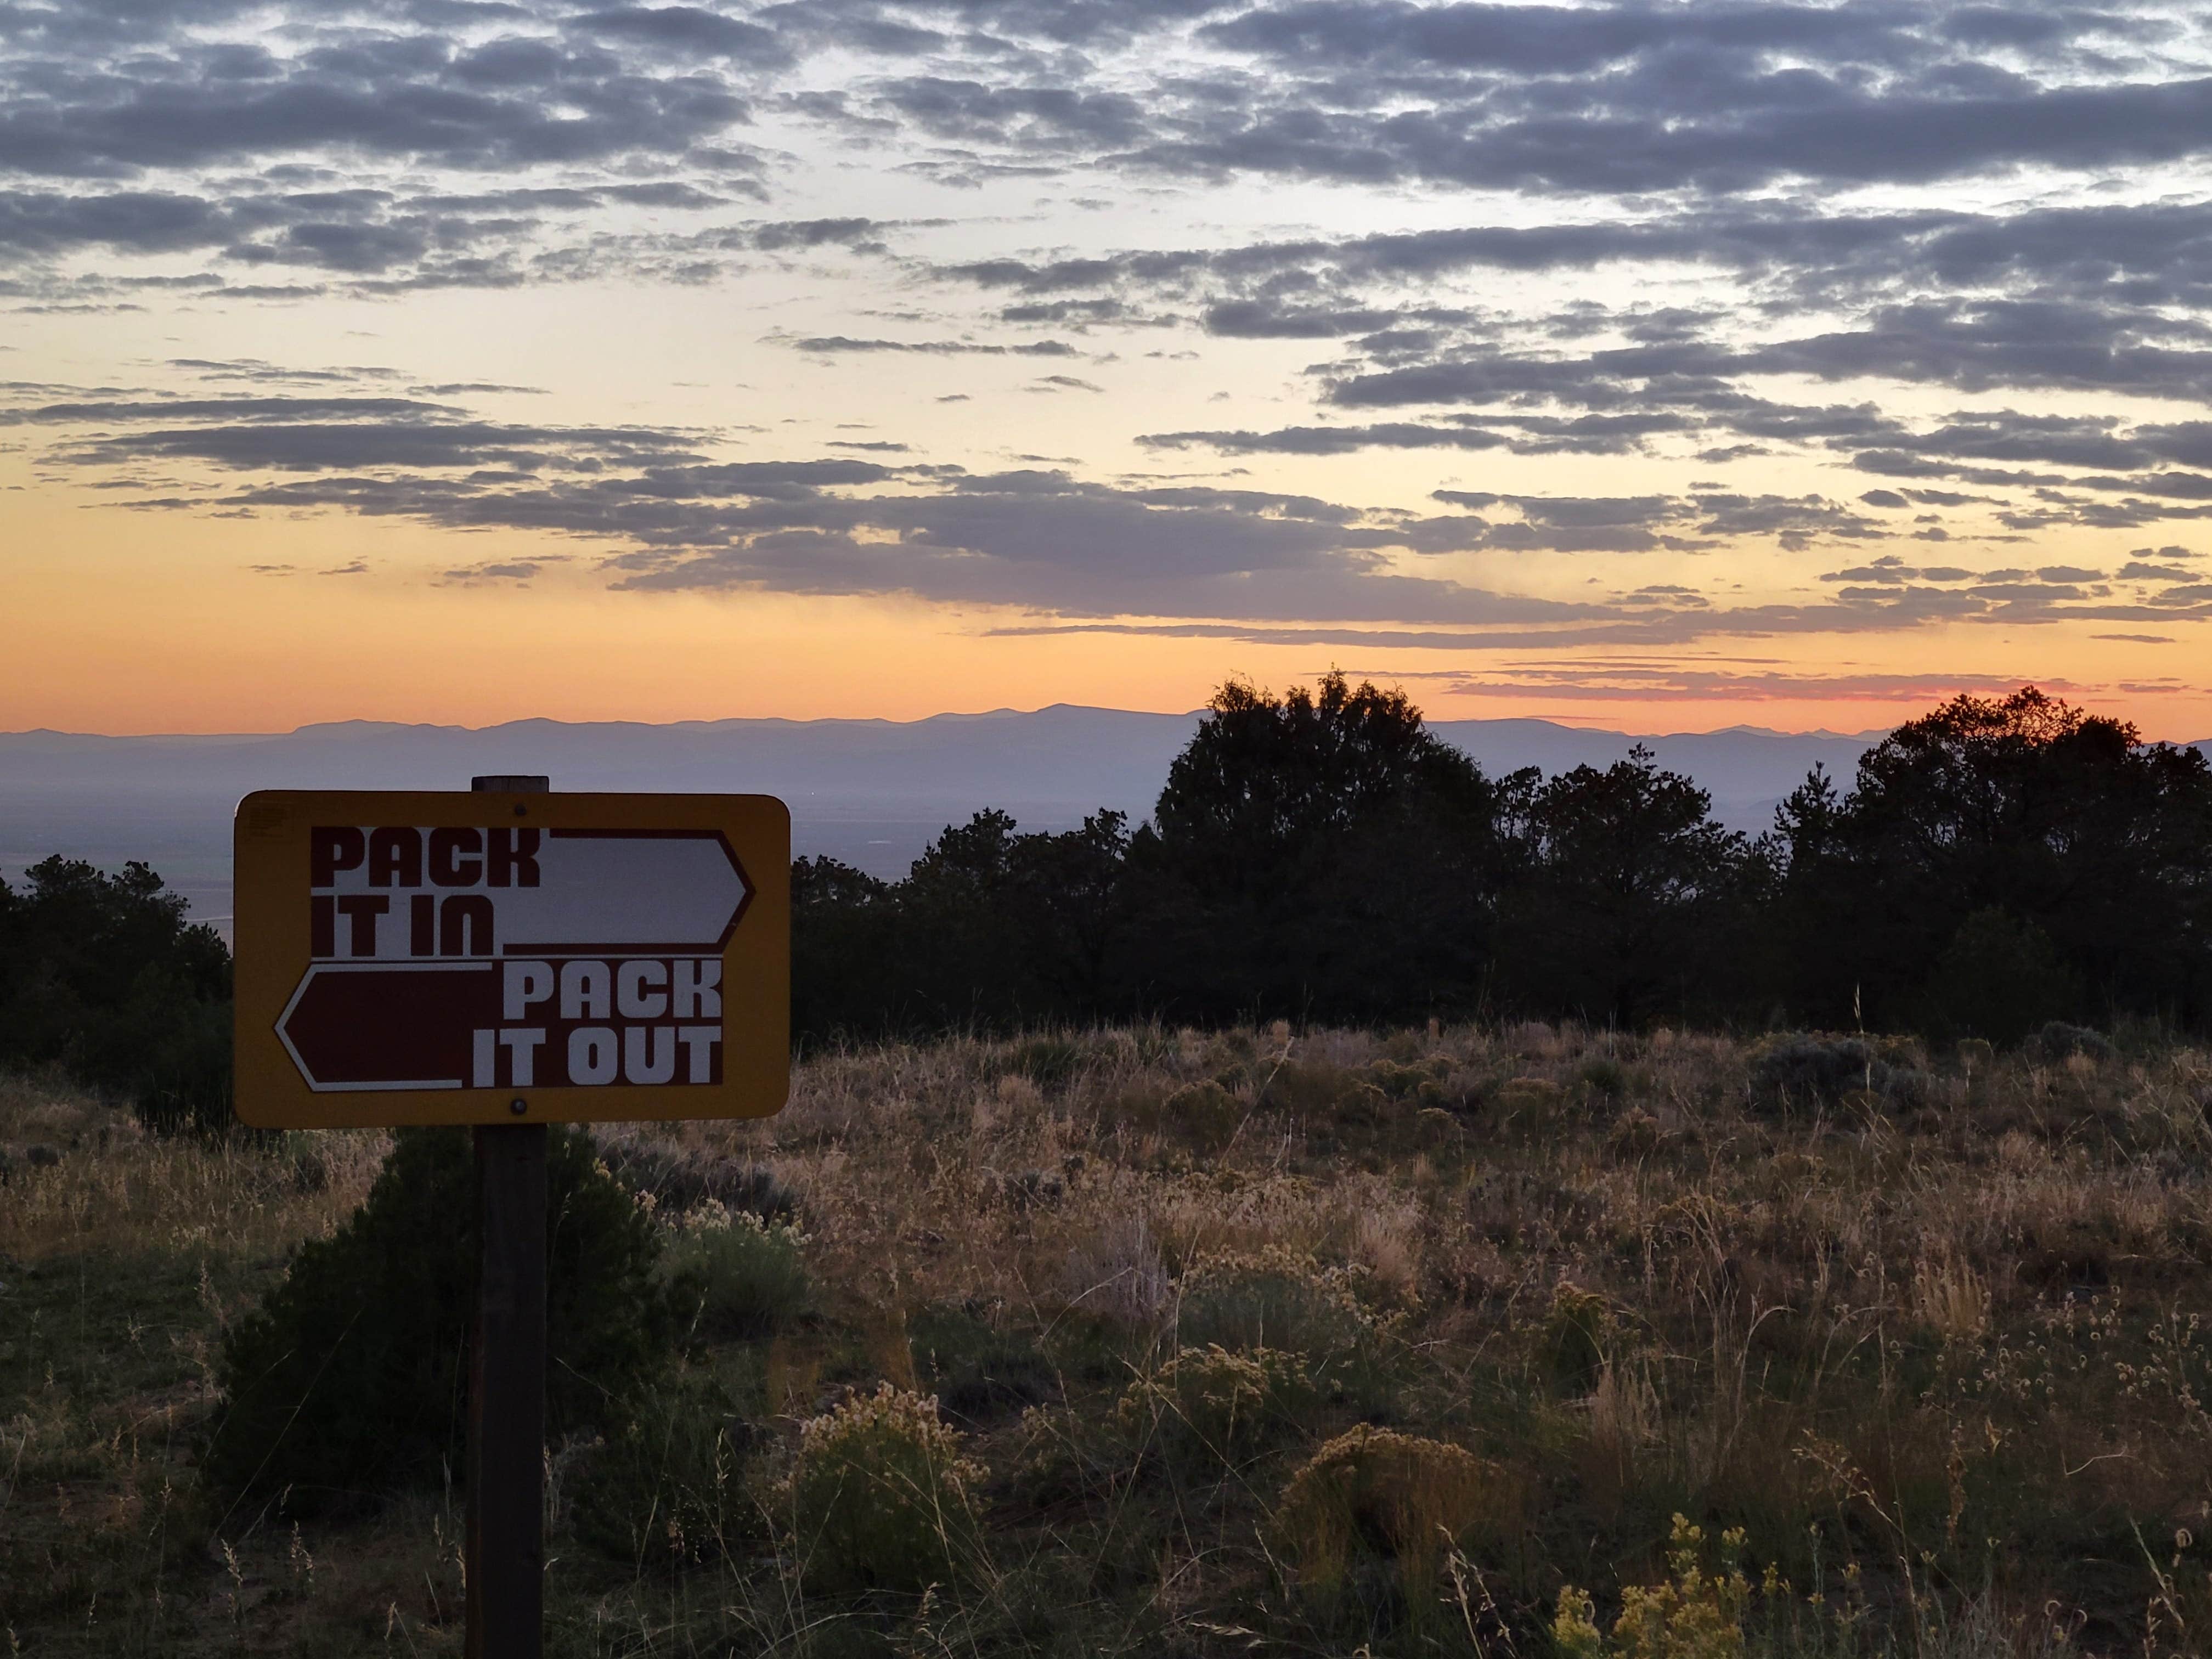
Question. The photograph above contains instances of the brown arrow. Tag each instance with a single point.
(404, 1025)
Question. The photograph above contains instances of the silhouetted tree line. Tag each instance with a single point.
(1996, 864)
(1321, 856)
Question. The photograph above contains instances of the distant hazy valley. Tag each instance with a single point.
(871, 792)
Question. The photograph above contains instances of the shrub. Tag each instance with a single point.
(979, 1372)
(1309, 1088)
(1635, 1134)
(669, 1486)
(1277, 1299)
(350, 1380)
(1803, 1070)
(1393, 1504)
(678, 1180)
(1697, 1613)
(1205, 1115)
(1531, 1100)
(1210, 1405)
(735, 1276)
(1574, 1332)
(1603, 1075)
(1407, 1082)
(878, 1496)
(2058, 1040)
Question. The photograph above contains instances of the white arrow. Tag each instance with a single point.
(605, 890)
(449, 893)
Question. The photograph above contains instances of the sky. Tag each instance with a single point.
(1658, 366)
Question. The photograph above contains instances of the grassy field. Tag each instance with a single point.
(1242, 1343)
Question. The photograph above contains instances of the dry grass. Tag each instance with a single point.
(1956, 1349)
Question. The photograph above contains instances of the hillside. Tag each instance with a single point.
(1937, 1347)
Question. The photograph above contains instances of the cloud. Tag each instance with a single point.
(831, 345)
(1687, 235)
(664, 510)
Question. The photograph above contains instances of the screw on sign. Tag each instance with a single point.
(507, 958)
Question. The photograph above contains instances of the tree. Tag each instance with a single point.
(102, 976)
(1631, 895)
(842, 940)
(1320, 852)
(350, 1381)
(2067, 822)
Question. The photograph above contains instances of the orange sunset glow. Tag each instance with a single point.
(769, 370)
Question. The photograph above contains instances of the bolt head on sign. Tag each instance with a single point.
(498, 957)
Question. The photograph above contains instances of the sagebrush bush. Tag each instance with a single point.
(1276, 1298)
(732, 1275)
(670, 1483)
(878, 1498)
(350, 1380)
(1209, 1407)
(679, 1179)
(1396, 1506)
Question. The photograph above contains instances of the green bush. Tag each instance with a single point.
(1276, 1299)
(350, 1380)
(1210, 1406)
(1205, 1115)
(670, 1485)
(732, 1276)
(878, 1498)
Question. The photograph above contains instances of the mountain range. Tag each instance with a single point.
(872, 793)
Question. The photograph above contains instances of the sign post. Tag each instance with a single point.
(505, 1563)
(508, 958)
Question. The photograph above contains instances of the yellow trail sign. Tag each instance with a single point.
(498, 957)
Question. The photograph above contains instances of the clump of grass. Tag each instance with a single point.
(670, 1486)
(1205, 1115)
(682, 1178)
(980, 1371)
(1050, 1062)
(1574, 1331)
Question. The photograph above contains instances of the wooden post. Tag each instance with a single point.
(505, 1562)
